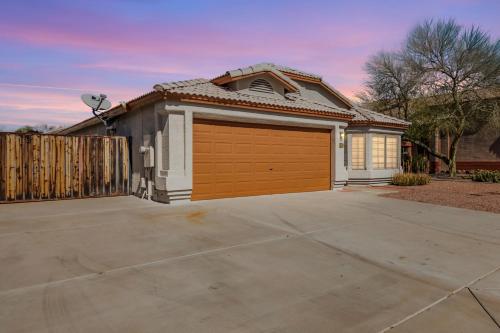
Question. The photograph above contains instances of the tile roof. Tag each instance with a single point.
(362, 115)
(205, 88)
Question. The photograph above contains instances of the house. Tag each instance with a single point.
(263, 129)
(479, 150)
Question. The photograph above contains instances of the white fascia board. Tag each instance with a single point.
(382, 130)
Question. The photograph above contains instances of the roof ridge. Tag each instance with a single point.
(179, 84)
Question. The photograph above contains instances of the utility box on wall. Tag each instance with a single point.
(149, 156)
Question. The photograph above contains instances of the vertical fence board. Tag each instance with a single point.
(43, 166)
(119, 181)
(126, 164)
(11, 162)
(52, 166)
(113, 165)
(106, 166)
(3, 176)
(28, 195)
(99, 166)
(75, 169)
(36, 167)
(19, 167)
(68, 150)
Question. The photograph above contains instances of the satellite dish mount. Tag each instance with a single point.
(98, 103)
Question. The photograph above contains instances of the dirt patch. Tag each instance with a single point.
(462, 194)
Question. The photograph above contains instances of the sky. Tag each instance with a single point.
(53, 51)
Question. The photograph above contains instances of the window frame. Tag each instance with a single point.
(363, 137)
(395, 152)
(385, 157)
(382, 136)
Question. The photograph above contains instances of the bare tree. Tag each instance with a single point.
(444, 79)
(460, 67)
(392, 84)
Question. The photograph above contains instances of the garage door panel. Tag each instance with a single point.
(235, 159)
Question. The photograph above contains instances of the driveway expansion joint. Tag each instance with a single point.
(442, 299)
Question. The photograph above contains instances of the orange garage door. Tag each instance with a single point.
(236, 159)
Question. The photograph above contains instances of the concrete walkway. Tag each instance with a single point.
(312, 262)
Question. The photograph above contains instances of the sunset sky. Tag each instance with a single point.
(53, 51)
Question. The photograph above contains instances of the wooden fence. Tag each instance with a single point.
(47, 167)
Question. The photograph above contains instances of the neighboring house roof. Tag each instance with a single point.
(213, 91)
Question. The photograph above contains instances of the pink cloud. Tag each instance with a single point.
(25, 104)
(141, 68)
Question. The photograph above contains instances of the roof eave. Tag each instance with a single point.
(372, 123)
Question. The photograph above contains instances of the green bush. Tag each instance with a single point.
(410, 179)
(489, 176)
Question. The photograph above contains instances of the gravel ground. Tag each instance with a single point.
(462, 194)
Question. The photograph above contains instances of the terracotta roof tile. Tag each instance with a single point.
(205, 88)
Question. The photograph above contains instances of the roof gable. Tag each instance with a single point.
(251, 71)
(288, 76)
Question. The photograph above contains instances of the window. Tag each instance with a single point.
(378, 152)
(261, 85)
(385, 152)
(358, 152)
(391, 152)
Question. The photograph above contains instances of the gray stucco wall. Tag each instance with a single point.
(316, 92)
(139, 126)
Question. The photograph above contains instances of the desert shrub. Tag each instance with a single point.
(410, 179)
(489, 176)
(420, 164)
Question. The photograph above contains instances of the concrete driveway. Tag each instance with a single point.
(315, 262)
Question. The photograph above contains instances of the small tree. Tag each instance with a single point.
(27, 129)
(42, 128)
(392, 84)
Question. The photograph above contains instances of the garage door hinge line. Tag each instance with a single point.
(456, 291)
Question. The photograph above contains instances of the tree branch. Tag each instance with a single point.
(419, 143)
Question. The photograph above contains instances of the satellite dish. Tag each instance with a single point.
(96, 102)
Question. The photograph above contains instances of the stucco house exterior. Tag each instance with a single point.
(262, 129)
